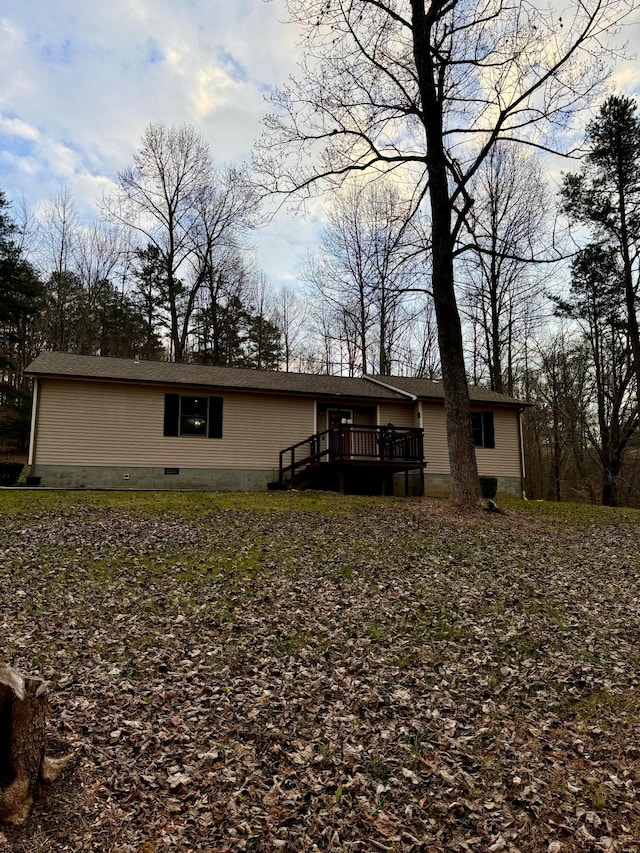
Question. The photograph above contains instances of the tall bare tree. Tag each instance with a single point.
(554, 429)
(176, 201)
(503, 272)
(418, 347)
(99, 254)
(290, 316)
(367, 267)
(408, 85)
(59, 229)
(157, 197)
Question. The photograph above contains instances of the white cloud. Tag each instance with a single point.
(17, 127)
(61, 160)
(21, 165)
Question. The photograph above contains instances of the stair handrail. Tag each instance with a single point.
(315, 455)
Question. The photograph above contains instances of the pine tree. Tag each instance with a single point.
(605, 196)
(20, 300)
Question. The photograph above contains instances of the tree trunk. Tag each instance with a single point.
(23, 710)
(611, 477)
(629, 290)
(465, 483)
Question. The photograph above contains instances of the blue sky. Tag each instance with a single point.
(80, 80)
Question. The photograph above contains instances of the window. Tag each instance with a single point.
(482, 428)
(193, 415)
(199, 416)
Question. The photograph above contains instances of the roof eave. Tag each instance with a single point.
(412, 397)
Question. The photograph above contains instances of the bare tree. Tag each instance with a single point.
(27, 225)
(418, 346)
(263, 348)
(220, 313)
(336, 347)
(98, 262)
(408, 85)
(290, 315)
(366, 267)
(175, 200)
(554, 429)
(157, 196)
(508, 229)
(226, 211)
(58, 228)
(58, 232)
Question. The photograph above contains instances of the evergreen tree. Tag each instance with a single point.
(596, 302)
(20, 300)
(148, 293)
(605, 196)
(263, 348)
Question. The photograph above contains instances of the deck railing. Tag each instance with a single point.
(348, 443)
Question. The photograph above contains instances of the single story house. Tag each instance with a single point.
(129, 424)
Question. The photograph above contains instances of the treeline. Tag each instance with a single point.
(168, 272)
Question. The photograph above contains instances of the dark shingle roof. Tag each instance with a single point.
(429, 390)
(170, 373)
(267, 381)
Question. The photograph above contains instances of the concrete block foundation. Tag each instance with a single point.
(218, 479)
(131, 477)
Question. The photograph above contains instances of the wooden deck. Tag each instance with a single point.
(348, 455)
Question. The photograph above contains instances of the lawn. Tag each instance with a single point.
(307, 672)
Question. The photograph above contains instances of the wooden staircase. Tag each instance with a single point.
(359, 459)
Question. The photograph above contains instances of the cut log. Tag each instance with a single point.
(23, 713)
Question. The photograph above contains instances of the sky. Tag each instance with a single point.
(81, 79)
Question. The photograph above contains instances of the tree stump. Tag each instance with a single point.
(23, 713)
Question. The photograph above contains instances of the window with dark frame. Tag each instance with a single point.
(482, 429)
(186, 415)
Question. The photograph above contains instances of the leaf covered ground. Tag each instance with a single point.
(304, 673)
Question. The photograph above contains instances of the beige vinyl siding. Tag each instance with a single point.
(504, 459)
(501, 461)
(399, 414)
(86, 423)
(364, 417)
(436, 452)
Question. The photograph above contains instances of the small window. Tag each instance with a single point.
(197, 416)
(482, 428)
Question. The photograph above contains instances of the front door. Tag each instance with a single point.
(338, 422)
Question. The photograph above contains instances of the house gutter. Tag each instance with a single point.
(523, 472)
(412, 397)
(34, 414)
